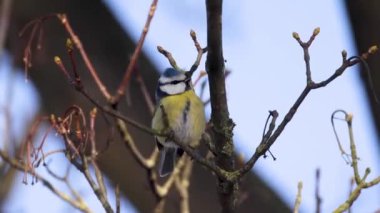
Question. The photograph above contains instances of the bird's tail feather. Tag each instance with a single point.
(167, 162)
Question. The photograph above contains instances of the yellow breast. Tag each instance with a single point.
(185, 116)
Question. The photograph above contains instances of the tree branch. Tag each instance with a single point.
(359, 181)
(222, 124)
(131, 66)
(78, 44)
(310, 85)
(22, 167)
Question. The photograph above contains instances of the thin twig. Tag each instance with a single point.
(200, 76)
(345, 155)
(360, 181)
(318, 199)
(117, 114)
(162, 190)
(305, 46)
(78, 204)
(148, 164)
(5, 13)
(169, 56)
(106, 109)
(353, 196)
(159, 208)
(297, 203)
(311, 85)
(99, 178)
(182, 184)
(131, 66)
(200, 51)
(197, 61)
(100, 194)
(354, 155)
(351, 186)
(145, 92)
(78, 44)
(130, 144)
(117, 195)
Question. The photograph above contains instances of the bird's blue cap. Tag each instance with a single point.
(170, 72)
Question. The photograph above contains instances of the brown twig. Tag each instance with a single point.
(305, 46)
(169, 56)
(5, 13)
(92, 132)
(117, 195)
(75, 116)
(200, 51)
(65, 179)
(159, 208)
(222, 124)
(98, 189)
(36, 26)
(148, 163)
(106, 109)
(200, 76)
(131, 66)
(160, 191)
(145, 92)
(311, 85)
(197, 61)
(78, 204)
(78, 44)
(129, 143)
(29, 152)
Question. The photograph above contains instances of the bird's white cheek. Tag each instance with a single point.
(173, 89)
(165, 80)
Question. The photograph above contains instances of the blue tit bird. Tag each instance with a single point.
(179, 110)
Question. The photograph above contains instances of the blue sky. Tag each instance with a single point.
(267, 73)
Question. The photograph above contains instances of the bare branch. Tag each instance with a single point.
(145, 92)
(78, 204)
(99, 192)
(297, 203)
(263, 147)
(197, 61)
(129, 143)
(117, 195)
(344, 154)
(5, 13)
(131, 66)
(182, 184)
(78, 44)
(360, 181)
(318, 199)
(200, 51)
(169, 56)
(222, 124)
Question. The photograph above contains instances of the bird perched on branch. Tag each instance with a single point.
(180, 111)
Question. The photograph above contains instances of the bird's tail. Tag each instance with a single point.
(167, 162)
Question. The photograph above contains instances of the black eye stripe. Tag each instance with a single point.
(175, 82)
